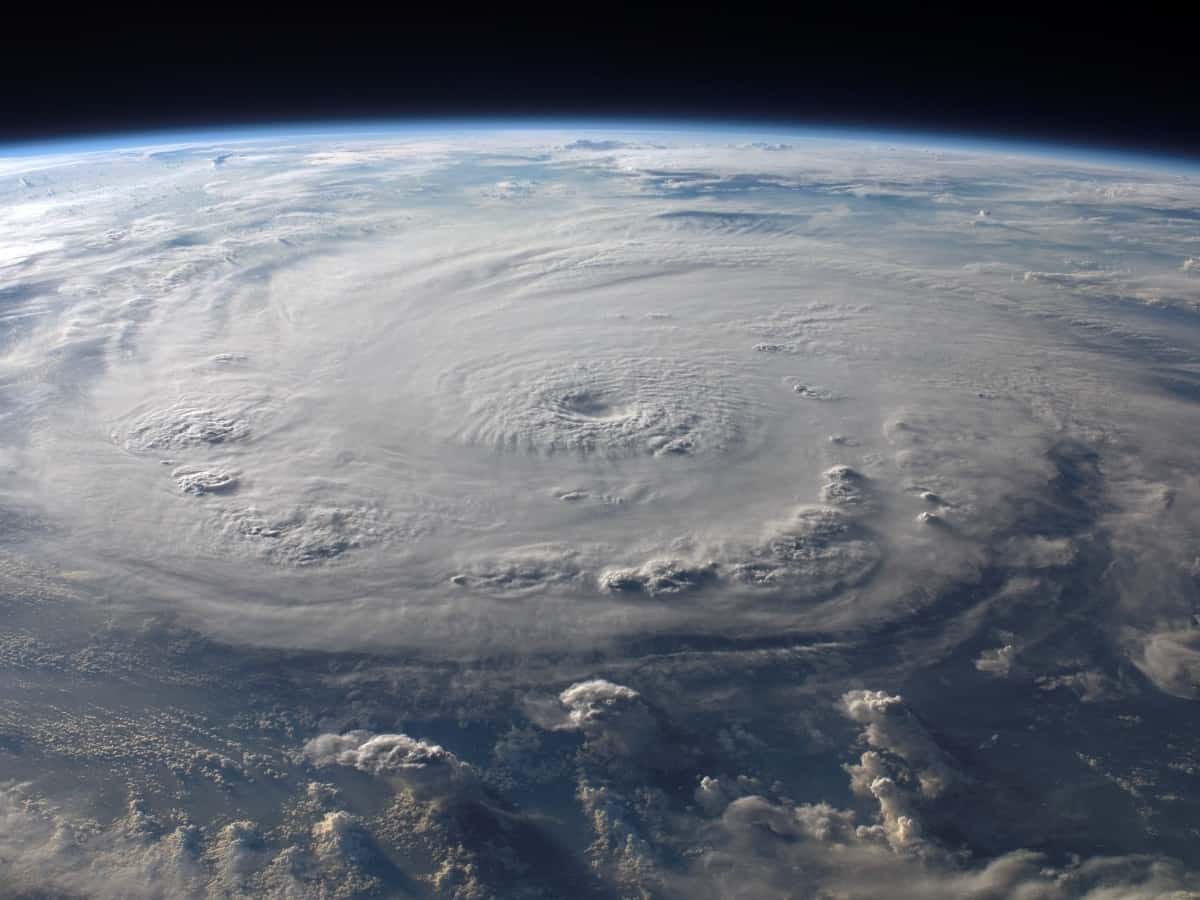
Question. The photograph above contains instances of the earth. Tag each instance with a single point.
(479, 511)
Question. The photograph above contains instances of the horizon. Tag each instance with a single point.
(147, 139)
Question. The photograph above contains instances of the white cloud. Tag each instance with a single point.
(503, 412)
(892, 727)
(997, 661)
(616, 721)
(1171, 659)
(423, 767)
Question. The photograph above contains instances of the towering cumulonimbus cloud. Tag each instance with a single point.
(889, 725)
(424, 766)
(611, 716)
(903, 768)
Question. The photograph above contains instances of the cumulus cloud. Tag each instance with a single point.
(903, 770)
(1089, 685)
(614, 718)
(815, 553)
(1171, 659)
(659, 577)
(890, 726)
(820, 822)
(597, 701)
(204, 481)
(47, 849)
(844, 486)
(821, 849)
(997, 661)
(424, 767)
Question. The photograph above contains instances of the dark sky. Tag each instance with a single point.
(1128, 83)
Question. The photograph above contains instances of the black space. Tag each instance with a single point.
(1127, 83)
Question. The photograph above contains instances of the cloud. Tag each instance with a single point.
(204, 481)
(188, 423)
(48, 849)
(903, 770)
(658, 577)
(818, 822)
(997, 661)
(425, 768)
(844, 487)
(614, 718)
(523, 571)
(818, 551)
(644, 459)
(610, 406)
(819, 849)
(596, 701)
(1170, 658)
(892, 727)
(592, 144)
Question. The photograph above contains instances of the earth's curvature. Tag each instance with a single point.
(554, 512)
